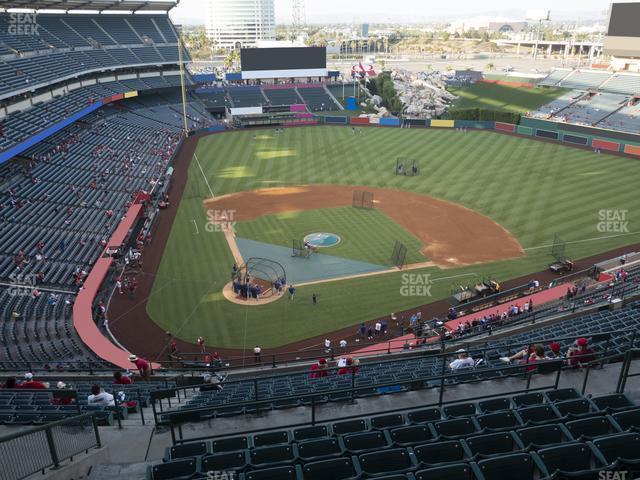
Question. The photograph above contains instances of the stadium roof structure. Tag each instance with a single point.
(95, 5)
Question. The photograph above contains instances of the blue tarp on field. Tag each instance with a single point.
(318, 266)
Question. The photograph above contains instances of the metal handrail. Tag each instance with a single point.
(601, 359)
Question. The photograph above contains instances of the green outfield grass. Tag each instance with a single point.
(533, 189)
(366, 235)
(503, 97)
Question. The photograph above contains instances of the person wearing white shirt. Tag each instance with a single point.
(100, 397)
(463, 360)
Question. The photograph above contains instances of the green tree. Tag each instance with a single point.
(232, 59)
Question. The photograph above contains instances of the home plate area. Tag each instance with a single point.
(314, 268)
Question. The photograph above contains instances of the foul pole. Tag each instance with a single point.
(183, 86)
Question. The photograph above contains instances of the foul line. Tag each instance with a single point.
(203, 175)
(594, 239)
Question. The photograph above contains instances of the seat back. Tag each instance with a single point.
(364, 441)
(385, 461)
(537, 413)
(441, 452)
(494, 405)
(528, 399)
(188, 450)
(426, 415)
(562, 394)
(518, 466)
(386, 421)
(460, 410)
(498, 420)
(456, 427)
(224, 461)
(308, 433)
(628, 419)
(540, 435)
(171, 470)
(411, 435)
(613, 402)
(281, 473)
(349, 426)
(318, 448)
(491, 444)
(566, 458)
(336, 469)
(624, 446)
(271, 454)
(459, 471)
(270, 438)
(590, 427)
(229, 444)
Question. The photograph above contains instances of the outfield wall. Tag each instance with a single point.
(596, 138)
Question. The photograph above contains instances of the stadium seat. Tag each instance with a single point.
(460, 410)
(424, 416)
(562, 394)
(494, 405)
(271, 455)
(589, 428)
(349, 426)
(387, 421)
(387, 461)
(412, 435)
(270, 438)
(458, 471)
(229, 444)
(187, 450)
(359, 442)
(542, 436)
(490, 445)
(336, 469)
(274, 473)
(319, 449)
(440, 452)
(628, 420)
(613, 403)
(456, 428)
(178, 470)
(224, 461)
(528, 399)
(308, 433)
(538, 414)
(574, 408)
(574, 460)
(498, 421)
(519, 466)
(623, 449)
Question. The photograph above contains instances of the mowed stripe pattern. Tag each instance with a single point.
(534, 189)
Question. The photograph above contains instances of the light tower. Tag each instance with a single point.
(299, 17)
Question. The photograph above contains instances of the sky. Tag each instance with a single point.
(414, 11)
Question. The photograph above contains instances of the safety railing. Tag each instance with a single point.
(525, 371)
(39, 449)
(604, 340)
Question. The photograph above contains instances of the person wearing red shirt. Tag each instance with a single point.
(29, 383)
(582, 353)
(142, 365)
(120, 379)
(319, 370)
(352, 366)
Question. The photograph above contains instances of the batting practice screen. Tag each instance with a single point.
(362, 199)
(295, 58)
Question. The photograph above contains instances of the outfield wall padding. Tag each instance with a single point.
(390, 122)
(442, 123)
(416, 122)
(546, 134)
(524, 130)
(575, 139)
(505, 127)
(632, 149)
(336, 120)
(605, 145)
(359, 120)
(480, 124)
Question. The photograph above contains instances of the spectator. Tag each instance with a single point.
(100, 397)
(463, 360)
(327, 345)
(351, 366)
(555, 350)
(319, 369)
(343, 344)
(142, 365)
(534, 354)
(201, 344)
(257, 351)
(120, 379)
(581, 353)
(363, 330)
(30, 383)
(63, 400)
(378, 328)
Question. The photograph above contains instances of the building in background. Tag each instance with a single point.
(622, 42)
(240, 23)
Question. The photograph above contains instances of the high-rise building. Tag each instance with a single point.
(240, 23)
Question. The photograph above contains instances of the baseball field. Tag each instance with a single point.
(483, 205)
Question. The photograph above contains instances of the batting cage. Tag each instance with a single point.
(300, 250)
(399, 254)
(558, 249)
(362, 199)
(407, 166)
(259, 277)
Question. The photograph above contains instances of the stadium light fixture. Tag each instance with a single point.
(539, 16)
